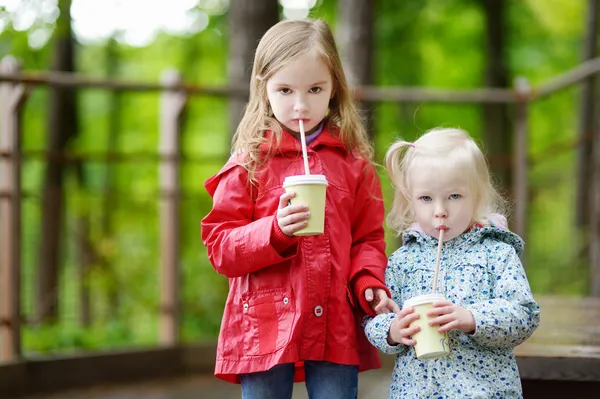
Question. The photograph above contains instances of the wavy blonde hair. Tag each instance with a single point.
(284, 42)
(442, 148)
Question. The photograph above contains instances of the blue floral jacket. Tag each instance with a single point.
(480, 271)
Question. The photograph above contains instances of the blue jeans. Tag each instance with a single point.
(324, 380)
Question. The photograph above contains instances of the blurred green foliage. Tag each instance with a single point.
(426, 43)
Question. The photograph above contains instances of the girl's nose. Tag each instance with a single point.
(300, 104)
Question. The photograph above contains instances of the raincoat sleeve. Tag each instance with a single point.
(368, 242)
(377, 328)
(513, 315)
(238, 245)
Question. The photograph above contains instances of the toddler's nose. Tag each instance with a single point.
(441, 213)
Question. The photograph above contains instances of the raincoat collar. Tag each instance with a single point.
(289, 144)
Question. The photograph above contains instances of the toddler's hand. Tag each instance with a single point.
(291, 218)
(400, 330)
(380, 302)
(451, 317)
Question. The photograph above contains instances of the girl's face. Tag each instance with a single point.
(300, 90)
(441, 197)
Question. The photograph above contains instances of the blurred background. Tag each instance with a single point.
(109, 250)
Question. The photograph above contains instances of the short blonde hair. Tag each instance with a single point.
(440, 147)
(284, 42)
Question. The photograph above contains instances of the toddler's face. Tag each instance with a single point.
(441, 197)
(301, 89)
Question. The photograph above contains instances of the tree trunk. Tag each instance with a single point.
(110, 201)
(355, 38)
(248, 21)
(496, 124)
(586, 122)
(85, 259)
(594, 236)
(594, 172)
(62, 126)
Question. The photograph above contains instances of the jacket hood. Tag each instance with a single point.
(476, 234)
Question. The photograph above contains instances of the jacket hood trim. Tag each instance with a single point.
(476, 234)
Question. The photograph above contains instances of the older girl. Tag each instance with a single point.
(292, 309)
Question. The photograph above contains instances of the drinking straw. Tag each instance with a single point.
(437, 259)
(303, 141)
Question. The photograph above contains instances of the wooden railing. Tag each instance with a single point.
(15, 86)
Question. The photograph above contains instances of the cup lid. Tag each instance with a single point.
(304, 179)
(421, 299)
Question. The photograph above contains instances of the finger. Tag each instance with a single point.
(393, 306)
(408, 341)
(292, 223)
(284, 205)
(408, 319)
(408, 333)
(284, 199)
(437, 311)
(369, 295)
(438, 321)
(296, 218)
(448, 326)
(290, 229)
(405, 311)
(381, 294)
(441, 303)
(412, 330)
(387, 306)
(381, 308)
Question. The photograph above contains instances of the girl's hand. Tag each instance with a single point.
(291, 218)
(380, 302)
(451, 317)
(400, 330)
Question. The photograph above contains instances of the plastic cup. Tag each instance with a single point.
(430, 343)
(310, 190)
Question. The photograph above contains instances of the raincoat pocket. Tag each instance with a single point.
(268, 321)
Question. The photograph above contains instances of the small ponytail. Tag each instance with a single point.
(393, 158)
(400, 216)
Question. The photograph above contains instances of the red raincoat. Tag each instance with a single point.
(291, 298)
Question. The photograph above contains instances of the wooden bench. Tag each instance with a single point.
(562, 357)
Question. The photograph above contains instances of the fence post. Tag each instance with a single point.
(172, 105)
(520, 157)
(11, 103)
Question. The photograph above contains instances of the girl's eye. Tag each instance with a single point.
(285, 90)
(425, 198)
(315, 90)
(454, 196)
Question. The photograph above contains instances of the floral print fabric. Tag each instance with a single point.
(480, 271)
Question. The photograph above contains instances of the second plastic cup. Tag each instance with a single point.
(310, 190)
(430, 344)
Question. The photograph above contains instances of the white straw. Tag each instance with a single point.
(303, 141)
(437, 260)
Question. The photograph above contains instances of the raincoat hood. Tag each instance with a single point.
(475, 234)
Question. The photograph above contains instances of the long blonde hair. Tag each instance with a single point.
(284, 42)
(440, 147)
